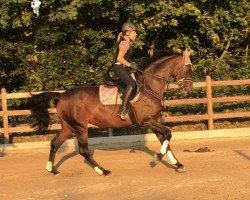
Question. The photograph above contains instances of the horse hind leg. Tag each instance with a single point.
(55, 144)
(84, 151)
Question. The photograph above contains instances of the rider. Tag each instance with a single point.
(121, 64)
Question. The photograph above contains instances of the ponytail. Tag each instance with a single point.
(120, 35)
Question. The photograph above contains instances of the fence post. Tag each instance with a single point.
(5, 116)
(209, 103)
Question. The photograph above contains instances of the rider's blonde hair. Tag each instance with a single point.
(120, 35)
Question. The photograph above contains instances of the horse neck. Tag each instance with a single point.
(161, 71)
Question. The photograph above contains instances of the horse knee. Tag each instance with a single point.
(85, 154)
(167, 134)
(83, 151)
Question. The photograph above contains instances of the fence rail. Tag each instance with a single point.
(210, 116)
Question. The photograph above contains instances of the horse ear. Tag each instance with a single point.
(186, 57)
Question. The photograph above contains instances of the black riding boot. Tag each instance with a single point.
(124, 107)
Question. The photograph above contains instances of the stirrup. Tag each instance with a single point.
(123, 115)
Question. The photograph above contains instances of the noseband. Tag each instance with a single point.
(182, 81)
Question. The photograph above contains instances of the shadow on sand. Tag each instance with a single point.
(131, 148)
(2, 151)
(242, 154)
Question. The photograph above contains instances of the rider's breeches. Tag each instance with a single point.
(124, 75)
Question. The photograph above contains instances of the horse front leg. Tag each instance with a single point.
(164, 135)
(84, 151)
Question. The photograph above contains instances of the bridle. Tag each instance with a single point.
(180, 83)
(149, 91)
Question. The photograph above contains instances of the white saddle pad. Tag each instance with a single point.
(109, 95)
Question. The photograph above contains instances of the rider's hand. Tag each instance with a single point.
(133, 66)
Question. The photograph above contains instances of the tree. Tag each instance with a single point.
(72, 42)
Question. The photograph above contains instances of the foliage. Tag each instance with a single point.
(72, 42)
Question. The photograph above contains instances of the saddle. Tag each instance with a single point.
(111, 93)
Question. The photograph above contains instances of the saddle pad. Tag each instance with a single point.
(109, 95)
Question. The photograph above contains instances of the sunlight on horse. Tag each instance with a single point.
(78, 107)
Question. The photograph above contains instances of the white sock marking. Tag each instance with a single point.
(49, 166)
(98, 171)
(164, 147)
(171, 157)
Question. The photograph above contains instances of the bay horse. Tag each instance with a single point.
(78, 107)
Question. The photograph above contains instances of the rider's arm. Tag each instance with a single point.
(123, 48)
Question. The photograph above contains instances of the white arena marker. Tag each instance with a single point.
(164, 147)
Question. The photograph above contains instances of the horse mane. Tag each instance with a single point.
(157, 57)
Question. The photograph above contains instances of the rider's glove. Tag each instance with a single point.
(133, 66)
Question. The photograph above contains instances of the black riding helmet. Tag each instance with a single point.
(128, 26)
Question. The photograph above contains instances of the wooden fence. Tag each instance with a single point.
(210, 116)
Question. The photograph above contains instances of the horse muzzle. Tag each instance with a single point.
(186, 85)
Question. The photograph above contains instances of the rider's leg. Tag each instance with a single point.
(124, 107)
(126, 78)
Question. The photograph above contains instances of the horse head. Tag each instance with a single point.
(184, 75)
(157, 74)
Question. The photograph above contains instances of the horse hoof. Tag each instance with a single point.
(157, 157)
(51, 169)
(106, 172)
(181, 169)
(101, 171)
(55, 172)
(153, 164)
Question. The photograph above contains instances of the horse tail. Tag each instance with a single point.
(39, 104)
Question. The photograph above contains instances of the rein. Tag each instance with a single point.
(158, 96)
(155, 76)
(180, 83)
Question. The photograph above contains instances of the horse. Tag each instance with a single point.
(80, 106)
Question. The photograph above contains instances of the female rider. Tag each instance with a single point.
(124, 51)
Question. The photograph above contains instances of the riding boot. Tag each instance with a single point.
(124, 107)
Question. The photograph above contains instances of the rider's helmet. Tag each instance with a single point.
(128, 26)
